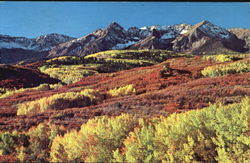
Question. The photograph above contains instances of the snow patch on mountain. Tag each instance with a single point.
(145, 33)
(214, 31)
(184, 31)
(41, 43)
(168, 35)
(168, 32)
(157, 27)
(53, 37)
(11, 45)
(122, 46)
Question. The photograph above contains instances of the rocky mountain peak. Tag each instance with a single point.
(39, 44)
(115, 32)
(50, 40)
(205, 36)
(53, 36)
(212, 30)
(115, 26)
(205, 22)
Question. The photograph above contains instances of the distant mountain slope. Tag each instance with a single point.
(12, 56)
(115, 37)
(14, 49)
(200, 38)
(243, 34)
(99, 40)
(41, 43)
(206, 36)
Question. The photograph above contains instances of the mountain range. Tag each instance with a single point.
(201, 38)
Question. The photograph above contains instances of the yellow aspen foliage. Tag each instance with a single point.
(58, 101)
(225, 69)
(217, 133)
(95, 142)
(122, 91)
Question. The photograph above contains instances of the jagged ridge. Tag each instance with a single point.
(41, 43)
(197, 39)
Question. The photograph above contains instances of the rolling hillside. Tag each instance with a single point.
(122, 86)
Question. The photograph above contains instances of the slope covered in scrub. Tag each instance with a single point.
(70, 69)
(114, 113)
(216, 133)
(22, 77)
(174, 85)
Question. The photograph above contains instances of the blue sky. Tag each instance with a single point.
(32, 19)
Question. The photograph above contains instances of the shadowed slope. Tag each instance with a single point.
(22, 77)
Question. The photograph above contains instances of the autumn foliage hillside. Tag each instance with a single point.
(149, 91)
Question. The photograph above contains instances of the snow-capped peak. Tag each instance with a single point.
(41, 43)
(177, 27)
(157, 27)
(214, 30)
(168, 32)
(56, 37)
